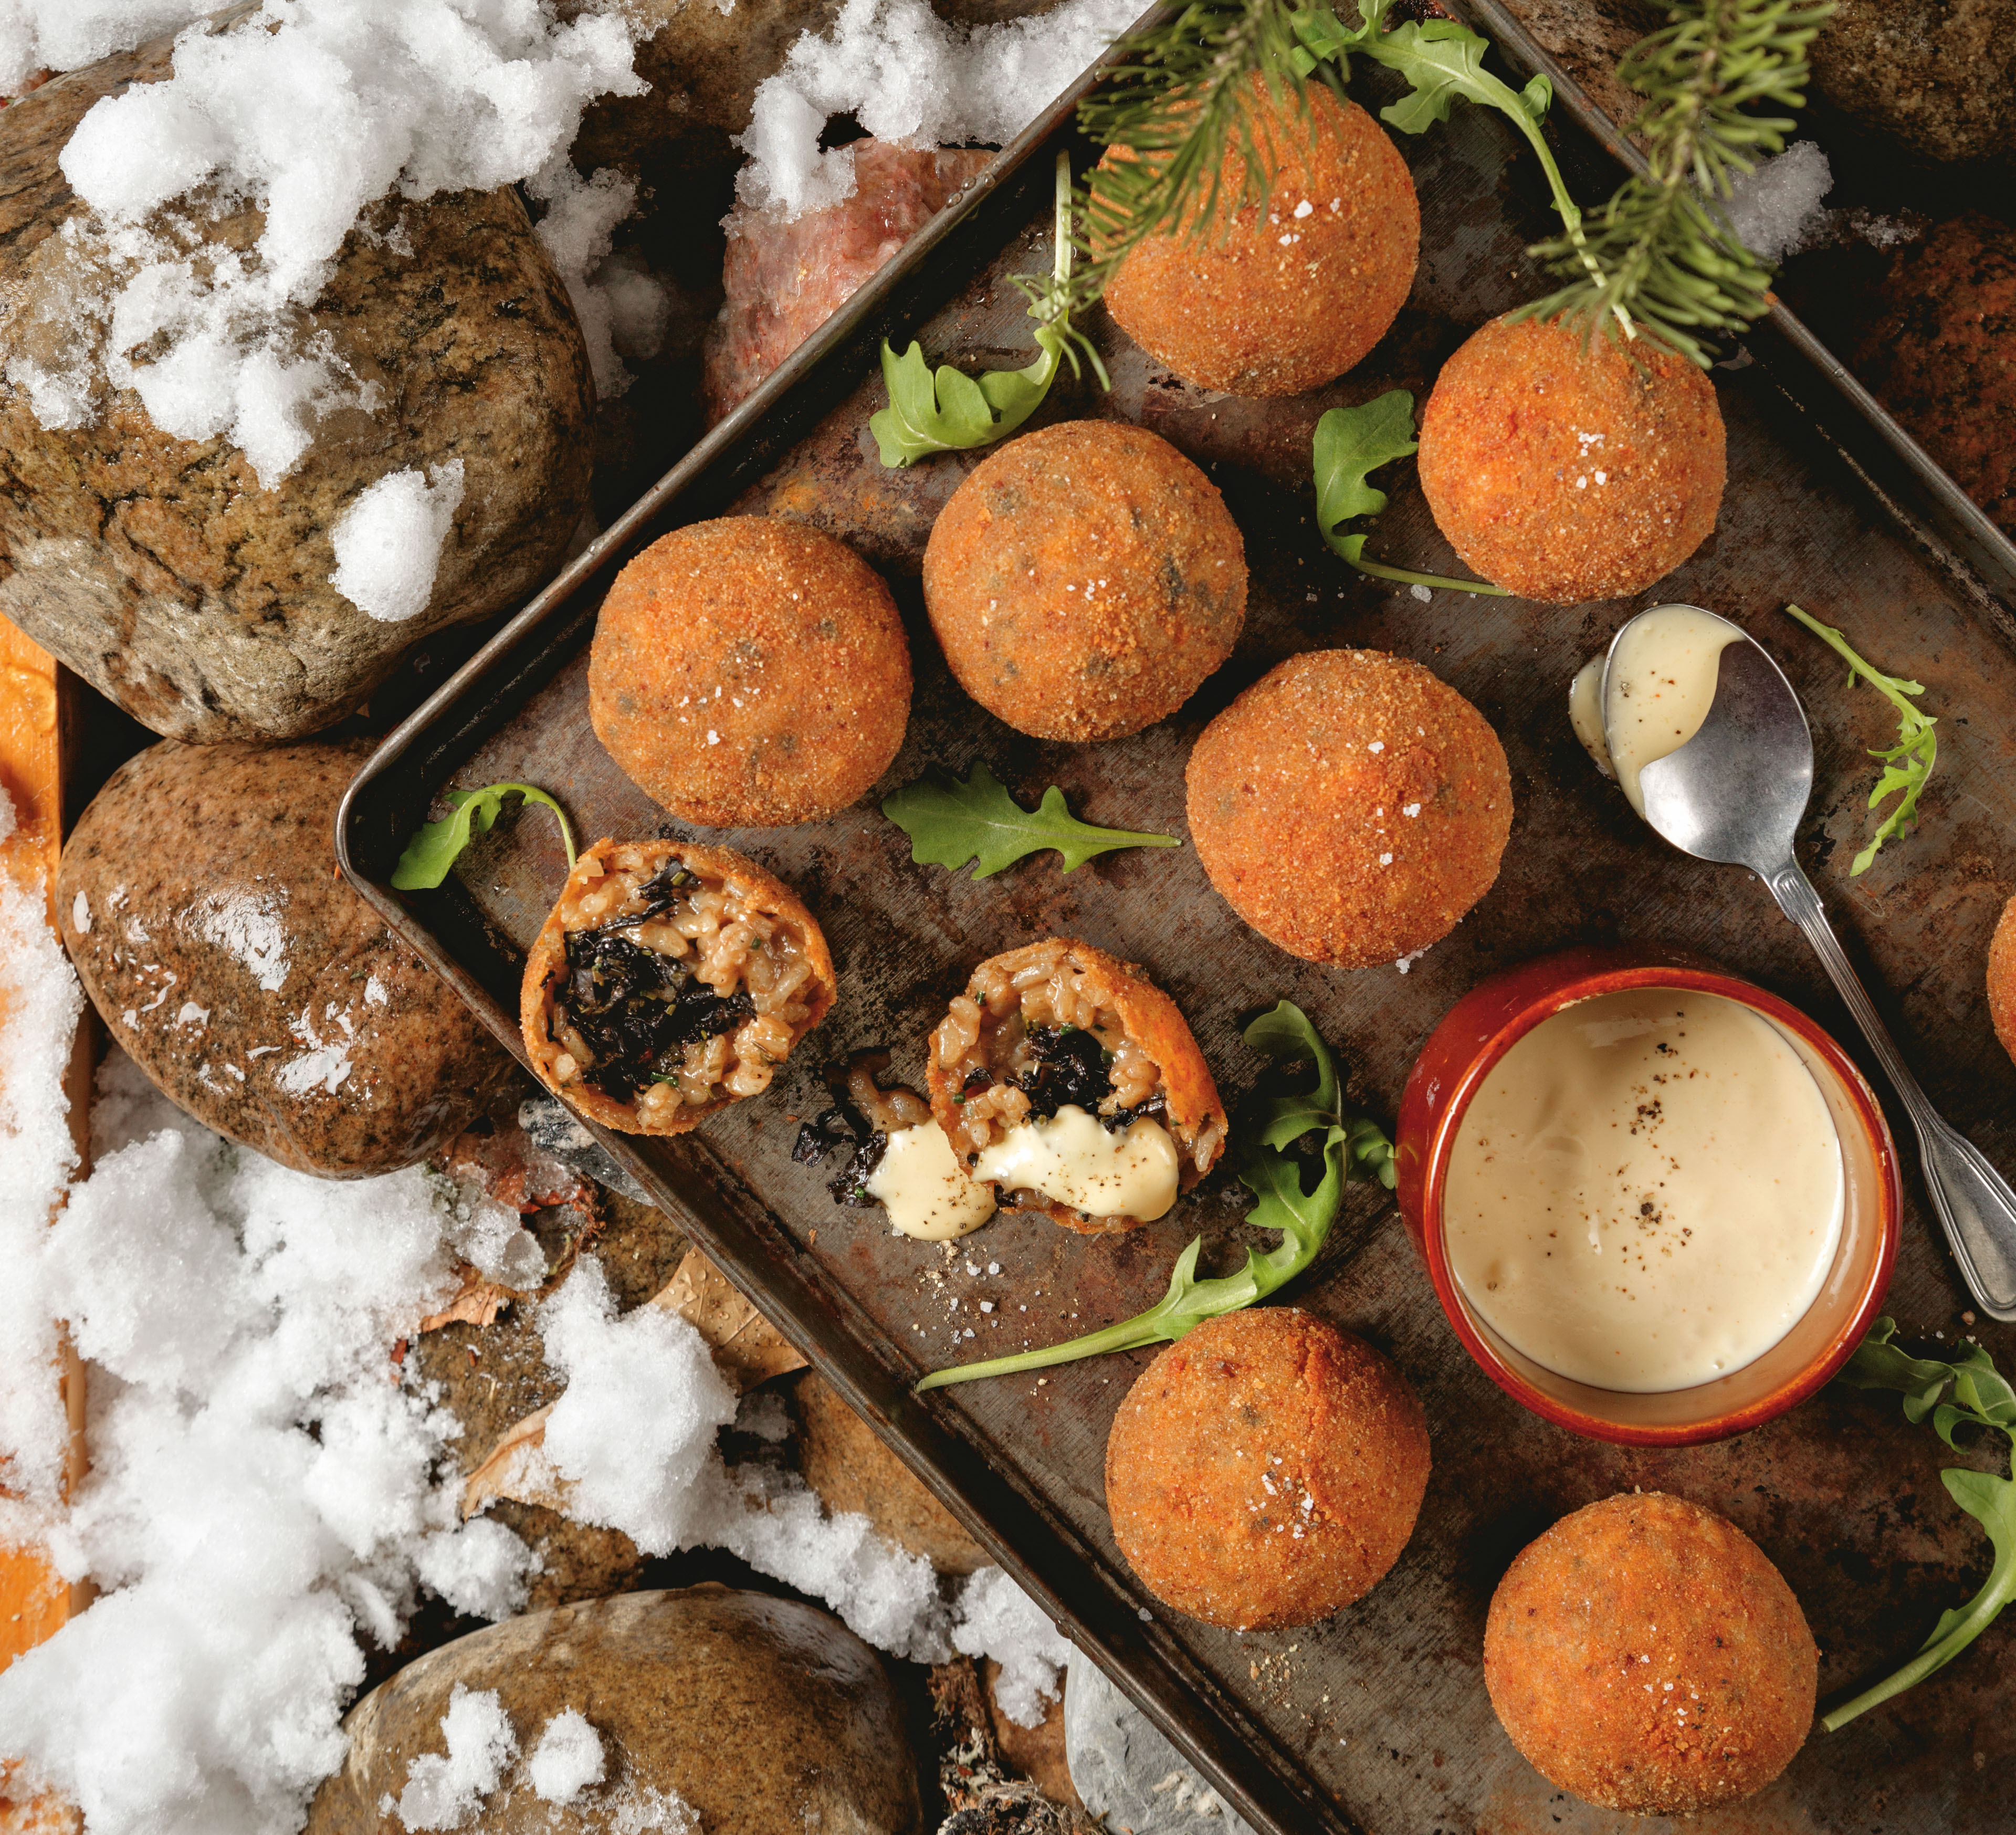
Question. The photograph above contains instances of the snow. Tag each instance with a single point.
(621, 308)
(388, 543)
(40, 1001)
(909, 77)
(263, 1492)
(995, 1618)
(446, 1790)
(67, 34)
(567, 1759)
(1776, 209)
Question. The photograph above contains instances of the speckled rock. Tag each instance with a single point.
(1937, 74)
(762, 1715)
(852, 1470)
(160, 571)
(199, 899)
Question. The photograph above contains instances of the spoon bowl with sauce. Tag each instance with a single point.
(1707, 739)
(1658, 1204)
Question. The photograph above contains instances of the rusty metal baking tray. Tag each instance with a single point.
(1377, 1719)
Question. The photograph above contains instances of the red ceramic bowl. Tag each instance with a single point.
(1480, 1030)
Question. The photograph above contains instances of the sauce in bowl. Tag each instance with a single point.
(1646, 1192)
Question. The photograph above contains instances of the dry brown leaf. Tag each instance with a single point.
(517, 1468)
(747, 1348)
(478, 1302)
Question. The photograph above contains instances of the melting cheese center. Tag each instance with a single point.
(927, 1192)
(1076, 1160)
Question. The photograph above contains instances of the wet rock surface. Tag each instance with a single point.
(199, 899)
(762, 1714)
(159, 569)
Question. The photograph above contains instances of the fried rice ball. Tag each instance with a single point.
(670, 980)
(2002, 978)
(1565, 470)
(1060, 1022)
(1275, 307)
(1084, 580)
(1265, 1471)
(1644, 1655)
(1350, 806)
(749, 672)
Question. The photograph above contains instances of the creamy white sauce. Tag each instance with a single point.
(926, 1191)
(1076, 1160)
(1585, 713)
(1659, 686)
(1646, 1192)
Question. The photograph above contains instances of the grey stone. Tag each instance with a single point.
(160, 569)
(1936, 74)
(1128, 1773)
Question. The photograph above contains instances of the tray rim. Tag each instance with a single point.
(1238, 1755)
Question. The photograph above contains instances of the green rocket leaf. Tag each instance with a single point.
(1351, 444)
(435, 845)
(1274, 1176)
(950, 823)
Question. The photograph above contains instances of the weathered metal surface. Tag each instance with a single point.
(1378, 1717)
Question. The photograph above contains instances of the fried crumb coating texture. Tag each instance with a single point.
(1566, 470)
(2002, 978)
(1084, 580)
(1266, 1469)
(1645, 1655)
(1273, 302)
(1350, 806)
(749, 672)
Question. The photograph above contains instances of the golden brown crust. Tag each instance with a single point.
(1275, 307)
(1147, 1017)
(749, 672)
(2002, 978)
(1645, 1655)
(1566, 471)
(1266, 1469)
(545, 966)
(1350, 806)
(1084, 580)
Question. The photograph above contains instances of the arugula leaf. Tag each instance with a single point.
(435, 844)
(1275, 1179)
(950, 823)
(1981, 1396)
(1907, 766)
(1351, 443)
(947, 410)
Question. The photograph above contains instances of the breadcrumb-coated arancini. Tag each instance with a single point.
(1278, 306)
(749, 672)
(1645, 1655)
(1265, 1471)
(670, 980)
(1060, 1022)
(1084, 580)
(2002, 978)
(1350, 806)
(1564, 470)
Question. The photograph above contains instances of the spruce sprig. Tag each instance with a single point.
(1182, 100)
(1661, 255)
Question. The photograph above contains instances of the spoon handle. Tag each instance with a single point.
(1973, 1200)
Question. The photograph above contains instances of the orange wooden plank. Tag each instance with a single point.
(34, 1600)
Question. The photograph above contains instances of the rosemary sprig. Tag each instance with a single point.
(1661, 255)
(1907, 766)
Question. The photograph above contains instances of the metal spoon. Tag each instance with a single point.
(1736, 793)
